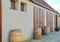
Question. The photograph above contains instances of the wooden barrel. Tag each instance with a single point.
(46, 30)
(15, 36)
(38, 33)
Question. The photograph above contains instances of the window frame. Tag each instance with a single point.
(23, 6)
(14, 2)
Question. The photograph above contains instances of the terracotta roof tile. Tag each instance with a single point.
(44, 4)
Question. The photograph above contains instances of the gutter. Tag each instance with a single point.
(43, 6)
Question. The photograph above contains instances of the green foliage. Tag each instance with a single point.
(59, 15)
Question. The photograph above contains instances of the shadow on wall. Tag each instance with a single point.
(59, 26)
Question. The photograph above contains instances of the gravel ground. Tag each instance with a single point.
(52, 37)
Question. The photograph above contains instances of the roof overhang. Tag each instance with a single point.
(51, 9)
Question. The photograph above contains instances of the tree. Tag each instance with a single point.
(58, 15)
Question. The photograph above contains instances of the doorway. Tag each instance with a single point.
(0, 22)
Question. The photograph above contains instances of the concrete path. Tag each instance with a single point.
(52, 37)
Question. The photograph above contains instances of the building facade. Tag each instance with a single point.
(25, 15)
(58, 24)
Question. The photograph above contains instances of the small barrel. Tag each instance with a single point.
(15, 36)
(37, 33)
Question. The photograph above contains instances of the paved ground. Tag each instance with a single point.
(52, 37)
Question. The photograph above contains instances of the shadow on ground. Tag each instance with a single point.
(52, 37)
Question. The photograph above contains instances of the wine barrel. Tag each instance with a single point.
(15, 36)
(46, 30)
(37, 33)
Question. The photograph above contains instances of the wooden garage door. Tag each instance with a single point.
(48, 19)
(35, 17)
(0, 22)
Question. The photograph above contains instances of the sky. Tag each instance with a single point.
(55, 4)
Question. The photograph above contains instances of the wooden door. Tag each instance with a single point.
(48, 19)
(35, 17)
(38, 18)
(0, 22)
(51, 22)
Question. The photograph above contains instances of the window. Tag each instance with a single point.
(23, 6)
(12, 4)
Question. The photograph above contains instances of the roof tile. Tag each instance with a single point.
(44, 4)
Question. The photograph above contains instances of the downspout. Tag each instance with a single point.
(53, 22)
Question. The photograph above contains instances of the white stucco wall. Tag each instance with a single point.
(15, 19)
(58, 22)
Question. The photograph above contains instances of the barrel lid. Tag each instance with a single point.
(16, 30)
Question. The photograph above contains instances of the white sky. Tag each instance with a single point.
(54, 3)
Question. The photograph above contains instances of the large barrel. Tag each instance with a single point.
(15, 36)
(46, 30)
(37, 33)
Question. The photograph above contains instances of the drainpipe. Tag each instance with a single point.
(53, 22)
(45, 19)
